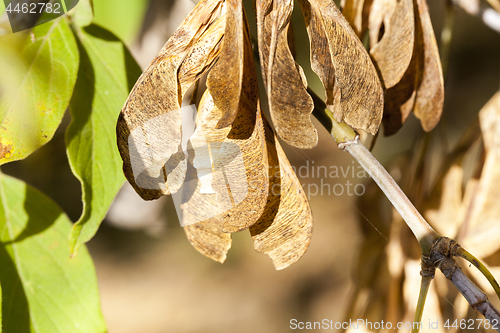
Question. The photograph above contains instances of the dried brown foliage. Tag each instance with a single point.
(214, 40)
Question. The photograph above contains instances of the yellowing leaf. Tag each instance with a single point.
(289, 103)
(34, 101)
(393, 52)
(361, 95)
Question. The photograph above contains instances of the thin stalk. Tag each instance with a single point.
(346, 138)
(461, 252)
(422, 296)
(424, 233)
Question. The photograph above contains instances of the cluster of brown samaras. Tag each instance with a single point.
(402, 64)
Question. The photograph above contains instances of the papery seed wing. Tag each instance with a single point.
(392, 54)
(361, 92)
(289, 103)
(149, 127)
(284, 230)
(231, 81)
(232, 171)
(421, 89)
(230, 186)
(354, 13)
(202, 55)
(430, 94)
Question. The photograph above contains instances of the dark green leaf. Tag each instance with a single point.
(106, 75)
(44, 290)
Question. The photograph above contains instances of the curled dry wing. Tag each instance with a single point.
(290, 105)
(430, 93)
(421, 89)
(149, 126)
(354, 13)
(238, 178)
(232, 80)
(282, 223)
(392, 54)
(284, 230)
(239, 168)
(361, 94)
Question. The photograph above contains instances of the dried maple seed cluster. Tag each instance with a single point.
(214, 39)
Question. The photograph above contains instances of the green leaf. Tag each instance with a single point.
(44, 289)
(122, 17)
(32, 108)
(106, 75)
(83, 14)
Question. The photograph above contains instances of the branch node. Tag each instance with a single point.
(441, 255)
(428, 268)
(343, 145)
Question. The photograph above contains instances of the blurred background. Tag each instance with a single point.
(151, 278)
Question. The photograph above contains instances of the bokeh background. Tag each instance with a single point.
(152, 280)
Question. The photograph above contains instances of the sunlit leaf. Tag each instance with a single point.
(32, 109)
(393, 52)
(331, 36)
(289, 103)
(126, 23)
(44, 290)
(83, 14)
(156, 100)
(107, 72)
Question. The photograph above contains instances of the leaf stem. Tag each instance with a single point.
(347, 139)
(424, 233)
